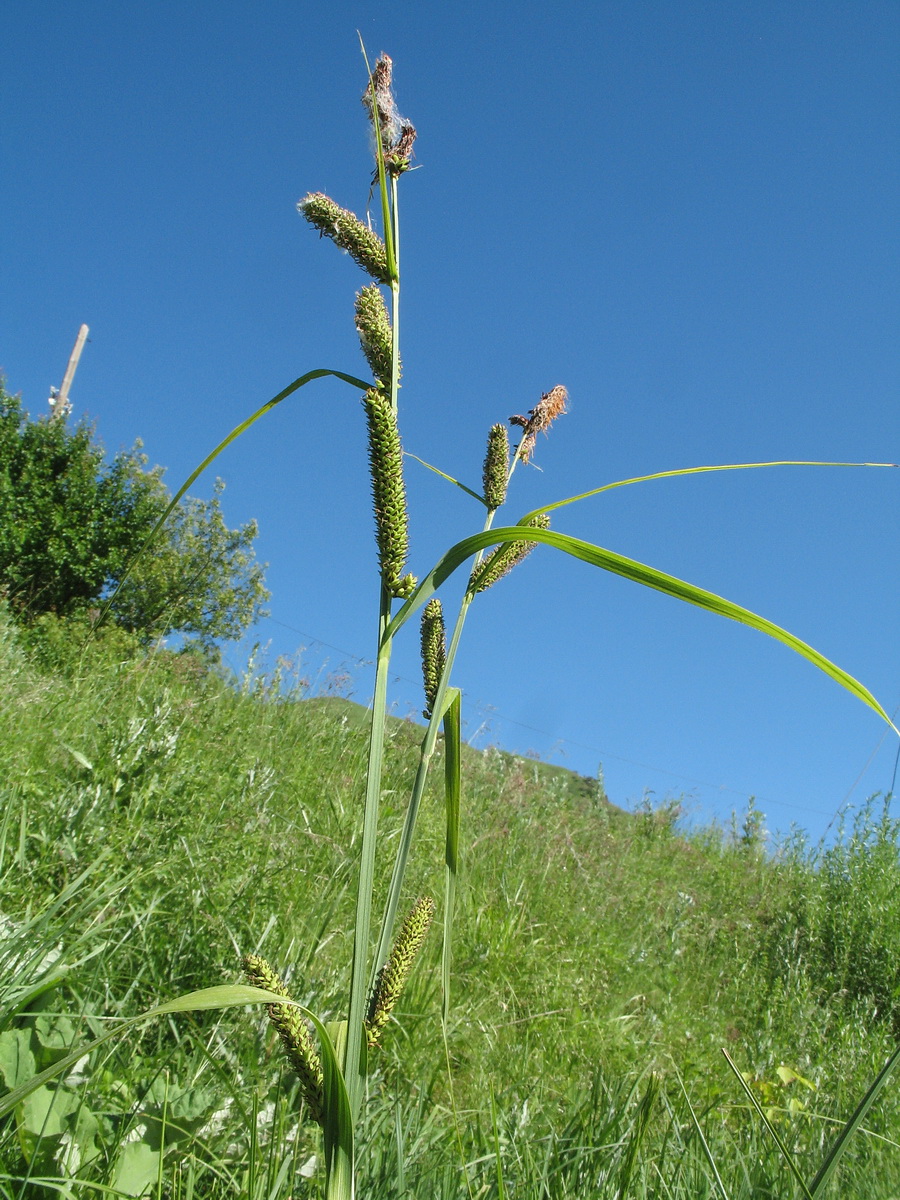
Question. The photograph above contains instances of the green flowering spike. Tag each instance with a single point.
(496, 466)
(347, 231)
(295, 1033)
(393, 975)
(502, 560)
(434, 652)
(404, 587)
(374, 327)
(388, 492)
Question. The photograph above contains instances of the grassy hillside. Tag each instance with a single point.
(159, 822)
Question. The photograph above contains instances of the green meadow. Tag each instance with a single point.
(161, 820)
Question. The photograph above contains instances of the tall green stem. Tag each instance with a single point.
(395, 297)
(425, 756)
(353, 1066)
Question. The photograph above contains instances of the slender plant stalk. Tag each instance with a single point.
(353, 1066)
(395, 296)
(426, 754)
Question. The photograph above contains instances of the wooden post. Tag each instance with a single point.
(60, 401)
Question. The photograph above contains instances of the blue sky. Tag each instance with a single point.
(685, 213)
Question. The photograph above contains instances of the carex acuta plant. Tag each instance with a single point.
(331, 1060)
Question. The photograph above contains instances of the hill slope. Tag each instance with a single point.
(160, 821)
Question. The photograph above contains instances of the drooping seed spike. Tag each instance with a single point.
(434, 652)
(374, 327)
(393, 975)
(388, 491)
(295, 1033)
(346, 230)
(496, 467)
(502, 560)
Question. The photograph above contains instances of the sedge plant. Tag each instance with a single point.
(330, 1059)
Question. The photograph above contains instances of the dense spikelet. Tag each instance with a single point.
(374, 327)
(393, 975)
(502, 560)
(295, 1033)
(397, 134)
(346, 230)
(388, 492)
(434, 652)
(496, 467)
(551, 405)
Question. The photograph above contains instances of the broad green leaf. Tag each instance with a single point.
(137, 1167)
(638, 572)
(17, 1062)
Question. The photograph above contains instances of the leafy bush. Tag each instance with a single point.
(843, 926)
(71, 522)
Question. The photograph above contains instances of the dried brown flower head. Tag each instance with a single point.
(397, 134)
(551, 405)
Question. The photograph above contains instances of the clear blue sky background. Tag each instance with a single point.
(686, 213)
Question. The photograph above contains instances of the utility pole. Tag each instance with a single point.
(59, 399)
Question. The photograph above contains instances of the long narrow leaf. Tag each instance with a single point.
(319, 373)
(608, 487)
(452, 793)
(226, 996)
(638, 572)
(444, 475)
(840, 1144)
(785, 1153)
(703, 1142)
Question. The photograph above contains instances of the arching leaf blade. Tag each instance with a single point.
(637, 572)
(318, 373)
(608, 487)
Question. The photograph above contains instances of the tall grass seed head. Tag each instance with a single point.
(496, 467)
(393, 975)
(434, 652)
(348, 232)
(374, 327)
(551, 405)
(397, 133)
(502, 560)
(295, 1033)
(388, 491)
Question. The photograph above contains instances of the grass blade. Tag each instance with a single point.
(637, 572)
(444, 475)
(608, 487)
(785, 1153)
(225, 996)
(319, 373)
(840, 1144)
(452, 791)
(703, 1142)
